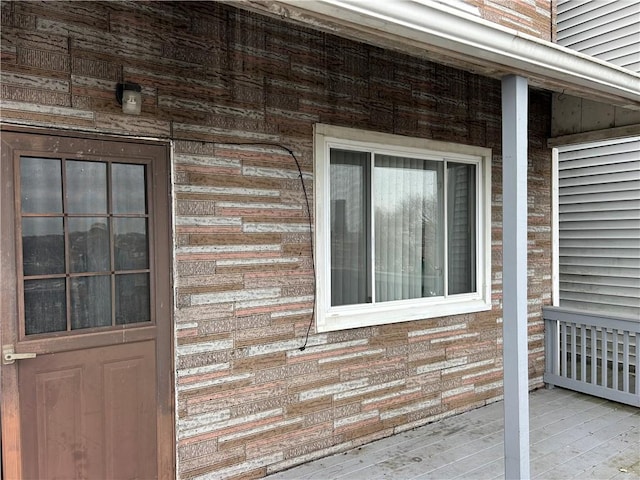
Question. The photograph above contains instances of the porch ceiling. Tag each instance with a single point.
(442, 34)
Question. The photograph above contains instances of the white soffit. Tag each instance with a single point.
(452, 36)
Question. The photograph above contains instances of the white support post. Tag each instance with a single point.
(514, 276)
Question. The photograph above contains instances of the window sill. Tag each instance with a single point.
(343, 318)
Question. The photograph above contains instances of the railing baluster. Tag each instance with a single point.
(603, 363)
(614, 359)
(563, 349)
(551, 347)
(583, 353)
(594, 355)
(556, 347)
(573, 329)
(637, 369)
(625, 361)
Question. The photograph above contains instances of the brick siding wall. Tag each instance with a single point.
(216, 79)
(533, 17)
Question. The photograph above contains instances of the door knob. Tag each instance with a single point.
(9, 355)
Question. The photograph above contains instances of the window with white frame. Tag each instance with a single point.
(403, 228)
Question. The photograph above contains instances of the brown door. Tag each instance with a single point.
(86, 375)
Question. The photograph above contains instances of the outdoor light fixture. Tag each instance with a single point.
(130, 97)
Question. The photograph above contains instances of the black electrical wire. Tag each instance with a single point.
(306, 198)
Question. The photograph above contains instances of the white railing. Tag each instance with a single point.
(592, 354)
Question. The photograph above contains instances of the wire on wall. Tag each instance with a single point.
(306, 198)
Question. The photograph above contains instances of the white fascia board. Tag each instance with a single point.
(432, 24)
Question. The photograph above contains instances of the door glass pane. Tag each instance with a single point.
(40, 185)
(90, 302)
(131, 243)
(132, 298)
(128, 188)
(461, 216)
(45, 306)
(42, 246)
(349, 227)
(105, 225)
(86, 187)
(89, 244)
(409, 250)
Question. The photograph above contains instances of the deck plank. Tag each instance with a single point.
(571, 435)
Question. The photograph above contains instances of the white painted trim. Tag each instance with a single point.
(605, 135)
(457, 4)
(429, 24)
(597, 143)
(555, 230)
(338, 318)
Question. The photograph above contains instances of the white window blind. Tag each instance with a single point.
(599, 227)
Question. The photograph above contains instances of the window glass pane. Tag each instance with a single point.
(89, 244)
(409, 236)
(90, 302)
(40, 185)
(86, 187)
(132, 298)
(45, 306)
(42, 246)
(461, 235)
(128, 188)
(349, 227)
(131, 243)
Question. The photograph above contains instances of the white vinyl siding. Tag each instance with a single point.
(605, 29)
(599, 227)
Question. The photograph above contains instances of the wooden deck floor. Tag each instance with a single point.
(571, 435)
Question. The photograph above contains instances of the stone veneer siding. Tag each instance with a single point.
(533, 17)
(215, 78)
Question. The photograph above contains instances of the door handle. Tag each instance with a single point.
(9, 355)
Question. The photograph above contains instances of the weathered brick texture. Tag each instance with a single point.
(533, 17)
(229, 88)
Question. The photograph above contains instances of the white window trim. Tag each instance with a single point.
(330, 318)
